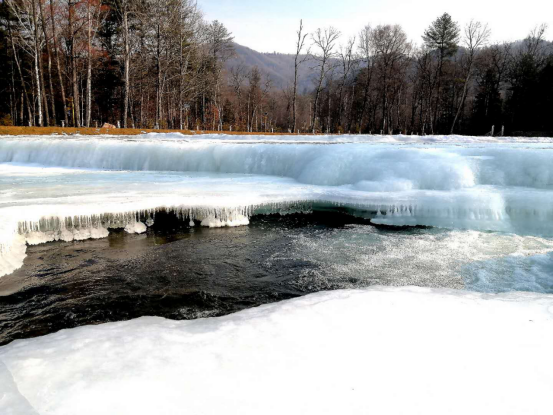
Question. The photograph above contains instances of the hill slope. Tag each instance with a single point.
(279, 66)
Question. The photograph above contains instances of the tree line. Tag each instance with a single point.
(139, 63)
(160, 64)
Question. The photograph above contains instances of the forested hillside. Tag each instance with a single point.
(279, 66)
(159, 64)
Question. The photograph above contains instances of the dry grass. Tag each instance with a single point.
(110, 131)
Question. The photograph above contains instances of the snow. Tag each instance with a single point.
(345, 138)
(380, 350)
(11, 400)
(12, 252)
(80, 187)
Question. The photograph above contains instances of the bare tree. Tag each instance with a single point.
(94, 17)
(476, 36)
(49, 55)
(348, 62)
(72, 34)
(238, 77)
(298, 61)
(25, 95)
(324, 42)
(221, 49)
(124, 8)
(31, 42)
(189, 27)
(57, 59)
(392, 51)
(367, 51)
(534, 43)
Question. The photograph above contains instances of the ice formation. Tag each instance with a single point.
(234, 220)
(382, 350)
(80, 187)
(136, 227)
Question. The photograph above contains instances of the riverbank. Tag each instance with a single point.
(10, 130)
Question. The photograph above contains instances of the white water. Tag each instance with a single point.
(77, 188)
(359, 255)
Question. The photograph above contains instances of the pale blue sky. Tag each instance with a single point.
(269, 25)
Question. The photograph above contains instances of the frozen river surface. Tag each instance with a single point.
(107, 229)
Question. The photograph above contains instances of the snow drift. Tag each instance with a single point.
(383, 350)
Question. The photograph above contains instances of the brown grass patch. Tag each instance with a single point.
(110, 131)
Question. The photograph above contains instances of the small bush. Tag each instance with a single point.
(6, 120)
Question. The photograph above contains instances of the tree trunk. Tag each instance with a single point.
(158, 83)
(49, 53)
(464, 96)
(22, 80)
(58, 65)
(366, 92)
(317, 97)
(36, 66)
(89, 68)
(126, 63)
(76, 111)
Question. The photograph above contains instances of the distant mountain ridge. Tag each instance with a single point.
(279, 66)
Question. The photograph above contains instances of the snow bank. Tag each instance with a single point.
(384, 351)
(11, 401)
(12, 253)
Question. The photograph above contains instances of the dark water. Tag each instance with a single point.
(172, 271)
(178, 272)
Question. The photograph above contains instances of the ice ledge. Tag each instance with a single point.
(42, 227)
(31, 225)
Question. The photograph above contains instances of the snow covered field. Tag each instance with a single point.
(384, 351)
(378, 350)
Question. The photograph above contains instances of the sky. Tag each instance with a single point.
(270, 25)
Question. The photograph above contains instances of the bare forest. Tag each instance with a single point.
(160, 64)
